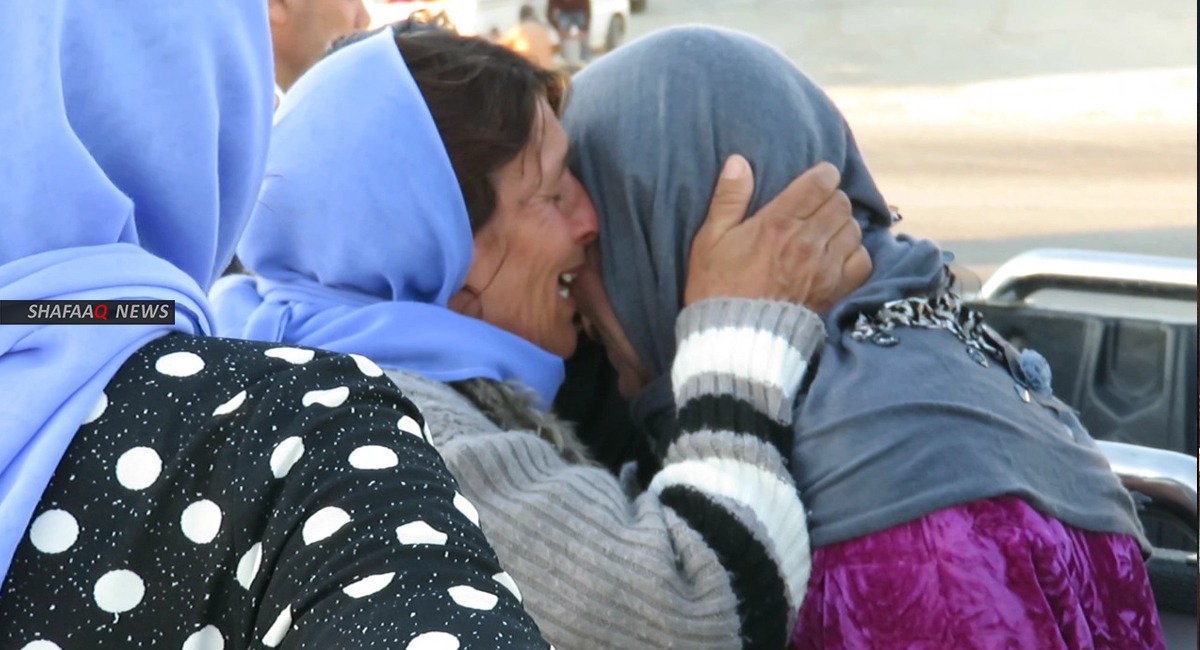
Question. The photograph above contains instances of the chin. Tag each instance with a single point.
(564, 349)
(562, 345)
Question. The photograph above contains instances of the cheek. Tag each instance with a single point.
(486, 259)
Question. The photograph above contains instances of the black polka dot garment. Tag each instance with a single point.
(228, 494)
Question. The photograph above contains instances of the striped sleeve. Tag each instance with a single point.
(737, 369)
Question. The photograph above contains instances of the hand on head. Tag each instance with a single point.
(804, 246)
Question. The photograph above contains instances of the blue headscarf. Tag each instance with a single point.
(361, 235)
(134, 137)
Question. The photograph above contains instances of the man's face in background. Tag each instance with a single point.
(303, 30)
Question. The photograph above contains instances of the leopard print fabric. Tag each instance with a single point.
(944, 311)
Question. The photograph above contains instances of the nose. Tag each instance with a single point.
(585, 226)
(361, 18)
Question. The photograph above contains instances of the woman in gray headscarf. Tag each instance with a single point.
(953, 501)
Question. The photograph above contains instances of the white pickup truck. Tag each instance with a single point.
(1119, 331)
(490, 18)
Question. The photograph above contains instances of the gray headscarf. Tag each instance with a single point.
(650, 125)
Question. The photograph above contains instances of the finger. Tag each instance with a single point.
(806, 194)
(830, 218)
(862, 265)
(819, 257)
(731, 196)
(846, 239)
(855, 271)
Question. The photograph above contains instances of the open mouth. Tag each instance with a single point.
(564, 285)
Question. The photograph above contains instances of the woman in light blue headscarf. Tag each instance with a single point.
(953, 502)
(418, 210)
(159, 488)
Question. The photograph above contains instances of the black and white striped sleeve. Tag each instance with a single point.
(738, 366)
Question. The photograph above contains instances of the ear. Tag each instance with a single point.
(278, 11)
(466, 301)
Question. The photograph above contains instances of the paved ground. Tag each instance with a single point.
(1004, 125)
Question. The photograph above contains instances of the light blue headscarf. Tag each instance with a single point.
(361, 235)
(134, 136)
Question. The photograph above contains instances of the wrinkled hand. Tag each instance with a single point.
(803, 247)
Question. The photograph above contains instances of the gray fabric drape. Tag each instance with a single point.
(885, 433)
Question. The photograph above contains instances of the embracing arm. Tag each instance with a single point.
(715, 554)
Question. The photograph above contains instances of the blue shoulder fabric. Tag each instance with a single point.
(135, 137)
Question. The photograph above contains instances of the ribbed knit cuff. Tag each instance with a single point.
(753, 351)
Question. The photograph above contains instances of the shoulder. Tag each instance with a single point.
(425, 389)
(197, 380)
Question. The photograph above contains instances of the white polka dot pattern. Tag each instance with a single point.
(473, 598)
(247, 568)
(179, 364)
(119, 591)
(138, 468)
(207, 638)
(409, 425)
(324, 523)
(295, 356)
(508, 583)
(366, 366)
(373, 457)
(434, 641)
(98, 409)
(419, 532)
(331, 398)
(54, 531)
(202, 444)
(201, 521)
(369, 585)
(466, 507)
(286, 454)
(278, 629)
(232, 405)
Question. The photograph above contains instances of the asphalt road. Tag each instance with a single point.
(1004, 125)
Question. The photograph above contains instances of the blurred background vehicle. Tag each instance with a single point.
(1119, 331)
(610, 21)
(492, 18)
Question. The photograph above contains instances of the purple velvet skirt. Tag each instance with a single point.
(994, 574)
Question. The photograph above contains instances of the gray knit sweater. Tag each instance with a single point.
(714, 555)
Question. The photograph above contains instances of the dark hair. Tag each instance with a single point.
(483, 98)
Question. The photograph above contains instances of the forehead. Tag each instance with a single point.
(545, 153)
(547, 140)
(554, 138)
